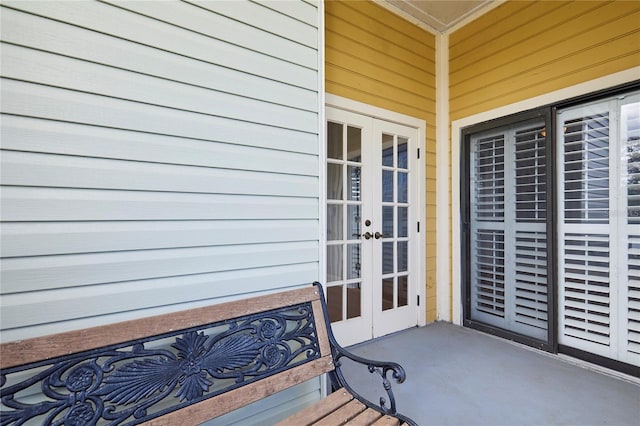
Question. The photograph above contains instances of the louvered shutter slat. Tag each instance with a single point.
(584, 179)
(535, 285)
(489, 177)
(589, 332)
(594, 308)
(531, 211)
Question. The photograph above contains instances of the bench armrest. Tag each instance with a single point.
(382, 368)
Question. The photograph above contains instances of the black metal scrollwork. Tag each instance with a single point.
(133, 382)
(382, 368)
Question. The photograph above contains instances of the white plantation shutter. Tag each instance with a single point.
(599, 228)
(597, 192)
(488, 267)
(490, 179)
(584, 254)
(530, 175)
(508, 229)
(488, 270)
(586, 169)
(531, 239)
(630, 135)
(586, 287)
(531, 279)
(633, 296)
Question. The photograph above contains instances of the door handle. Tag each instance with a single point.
(367, 235)
(378, 235)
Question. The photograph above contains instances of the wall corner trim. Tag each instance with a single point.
(443, 243)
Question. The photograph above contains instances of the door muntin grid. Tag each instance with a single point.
(344, 217)
(395, 221)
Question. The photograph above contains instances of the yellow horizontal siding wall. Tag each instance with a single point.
(375, 57)
(523, 49)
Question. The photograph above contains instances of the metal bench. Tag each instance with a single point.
(190, 366)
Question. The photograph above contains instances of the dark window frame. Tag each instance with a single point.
(548, 113)
(543, 113)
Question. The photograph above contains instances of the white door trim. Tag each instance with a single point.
(375, 112)
(421, 126)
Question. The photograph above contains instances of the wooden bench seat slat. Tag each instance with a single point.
(232, 400)
(343, 414)
(366, 418)
(318, 410)
(387, 421)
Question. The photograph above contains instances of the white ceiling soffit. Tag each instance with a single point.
(437, 16)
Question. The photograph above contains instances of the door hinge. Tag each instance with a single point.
(418, 300)
(418, 227)
(418, 153)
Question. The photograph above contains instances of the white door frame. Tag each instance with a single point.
(391, 116)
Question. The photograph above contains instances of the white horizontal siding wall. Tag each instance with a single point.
(155, 157)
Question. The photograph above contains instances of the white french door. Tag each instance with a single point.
(372, 225)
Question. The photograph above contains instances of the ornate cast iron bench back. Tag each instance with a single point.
(186, 367)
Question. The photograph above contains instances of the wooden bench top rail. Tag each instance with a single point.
(187, 367)
(55, 345)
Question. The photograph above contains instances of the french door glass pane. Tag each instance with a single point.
(353, 221)
(403, 188)
(334, 141)
(354, 300)
(334, 303)
(334, 181)
(387, 150)
(334, 263)
(353, 173)
(387, 257)
(403, 290)
(334, 222)
(387, 186)
(403, 221)
(387, 294)
(387, 221)
(402, 153)
(354, 144)
(403, 256)
(353, 261)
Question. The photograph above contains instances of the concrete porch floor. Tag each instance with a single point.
(458, 376)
